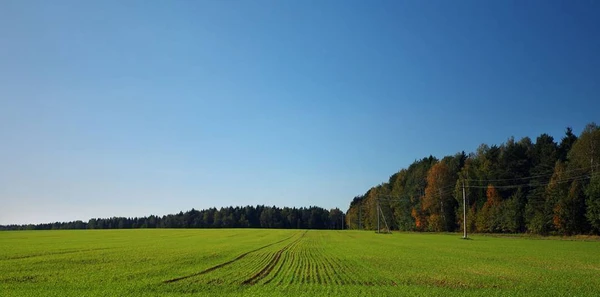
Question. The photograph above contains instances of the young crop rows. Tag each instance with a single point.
(261, 262)
(298, 259)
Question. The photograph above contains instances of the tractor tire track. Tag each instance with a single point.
(213, 268)
(52, 254)
(280, 268)
(269, 267)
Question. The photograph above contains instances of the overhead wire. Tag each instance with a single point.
(549, 174)
(531, 185)
(451, 189)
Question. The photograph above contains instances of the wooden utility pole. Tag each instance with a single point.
(464, 210)
(378, 215)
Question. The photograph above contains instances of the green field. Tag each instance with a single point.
(167, 262)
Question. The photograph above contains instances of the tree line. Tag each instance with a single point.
(540, 187)
(259, 216)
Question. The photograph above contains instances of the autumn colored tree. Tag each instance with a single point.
(370, 208)
(416, 182)
(569, 211)
(351, 218)
(488, 219)
(401, 206)
(553, 213)
(428, 194)
(437, 196)
(419, 218)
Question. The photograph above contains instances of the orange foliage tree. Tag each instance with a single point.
(488, 219)
(437, 196)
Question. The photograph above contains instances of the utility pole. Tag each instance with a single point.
(378, 215)
(464, 210)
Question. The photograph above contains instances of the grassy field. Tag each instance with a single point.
(161, 262)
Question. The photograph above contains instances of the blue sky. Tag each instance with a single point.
(131, 108)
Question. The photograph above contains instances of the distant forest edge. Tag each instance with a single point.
(519, 186)
(226, 217)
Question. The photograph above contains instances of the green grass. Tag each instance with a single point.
(291, 263)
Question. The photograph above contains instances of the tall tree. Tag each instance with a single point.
(556, 211)
(402, 205)
(488, 219)
(438, 195)
(585, 153)
(539, 209)
(565, 144)
(512, 213)
(593, 203)
(569, 211)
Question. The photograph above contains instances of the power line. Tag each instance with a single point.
(571, 179)
(394, 198)
(533, 176)
(514, 186)
(454, 188)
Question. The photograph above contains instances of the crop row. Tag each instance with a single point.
(297, 260)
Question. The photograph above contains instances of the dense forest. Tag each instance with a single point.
(542, 187)
(227, 217)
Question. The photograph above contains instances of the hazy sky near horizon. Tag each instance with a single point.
(132, 108)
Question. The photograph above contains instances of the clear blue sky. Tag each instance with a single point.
(131, 108)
